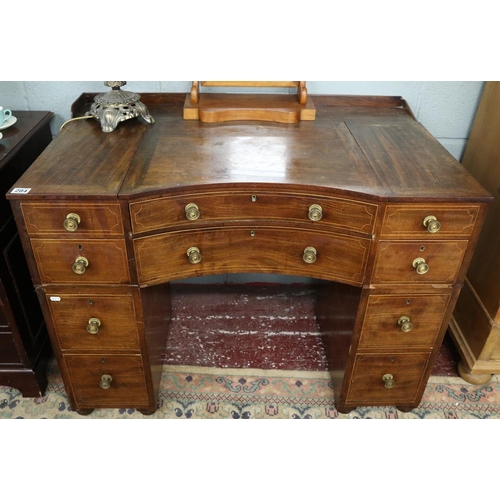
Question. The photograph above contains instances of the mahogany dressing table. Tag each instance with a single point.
(362, 198)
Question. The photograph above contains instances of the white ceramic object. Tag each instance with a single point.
(8, 123)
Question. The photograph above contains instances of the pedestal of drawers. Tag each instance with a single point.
(401, 315)
(109, 335)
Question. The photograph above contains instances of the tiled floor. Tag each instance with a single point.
(255, 326)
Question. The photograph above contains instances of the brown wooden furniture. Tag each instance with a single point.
(475, 325)
(363, 199)
(281, 108)
(24, 343)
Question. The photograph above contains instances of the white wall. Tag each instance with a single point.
(446, 108)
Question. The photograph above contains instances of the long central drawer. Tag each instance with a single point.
(167, 213)
(185, 254)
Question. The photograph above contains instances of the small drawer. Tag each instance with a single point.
(433, 220)
(386, 379)
(174, 211)
(81, 261)
(73, 219)
(394, 321)
(186, 254)
(418, 262)
(107, 381)
(94, 321)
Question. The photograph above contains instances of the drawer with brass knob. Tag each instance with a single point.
(107, 380)
(94, 320)
(184, 254)
(403, 321)
(418, 262)
(194, 255)
(310, 255)
(74, 219)
(81, 261)
(80, 265)
(93, 325)
(71, 222)
(387, 379)
(175, 211)
(431, 221)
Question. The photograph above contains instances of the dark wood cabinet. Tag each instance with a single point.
(24, 343)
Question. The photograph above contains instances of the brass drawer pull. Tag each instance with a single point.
(80, 265)
(194, 255)
(420, 265)
(405, 324)
(192, 211)
(93, 326)
(71, 222)
(309, 255)
(315, 212)
(432, 224)
(388, 380)
(105, 382)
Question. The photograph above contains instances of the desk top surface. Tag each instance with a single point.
(371, 148)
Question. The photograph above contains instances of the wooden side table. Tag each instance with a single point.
(475, 325)
(24, 345)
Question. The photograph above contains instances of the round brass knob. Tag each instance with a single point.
(105, 382)
(194, 255)
(405, 324)
(80, 265)
(420, 265)
(309, 255)
(388, 380)
(315, 212)
(71, 222)
(192, 211)
(432, 224)
(93, 326)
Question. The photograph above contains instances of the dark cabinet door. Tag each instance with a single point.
(24, 344)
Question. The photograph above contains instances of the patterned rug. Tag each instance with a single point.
(188, 392)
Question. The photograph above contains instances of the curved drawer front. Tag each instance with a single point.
(162, 258)
(368, 386)
(393, 321)
(171, 212)
(127, 387)
(413, 220)
(94, 321)
(93, 220)
(107, 261)
(395, 261)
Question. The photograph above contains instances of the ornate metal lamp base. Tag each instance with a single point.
(117, 106)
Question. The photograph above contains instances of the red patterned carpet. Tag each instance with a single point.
(264, 326)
